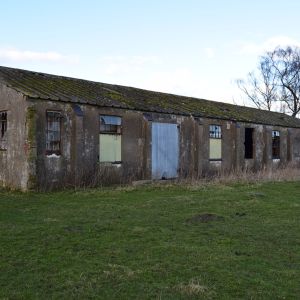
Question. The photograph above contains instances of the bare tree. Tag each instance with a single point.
(260, 86)
(286, 67)
(277, 79)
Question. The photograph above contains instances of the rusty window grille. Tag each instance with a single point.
(3, 128)
(275, 144)
(110, 124)
(215, 132)
(53, 135)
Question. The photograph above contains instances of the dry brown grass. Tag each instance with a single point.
(289, 172)
(194, 288)
(122, 272)
(122, 178)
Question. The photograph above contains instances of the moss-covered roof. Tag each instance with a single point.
(58, 88)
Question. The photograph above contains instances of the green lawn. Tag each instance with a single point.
(140, 244)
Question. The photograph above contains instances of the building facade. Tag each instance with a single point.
(58, 131)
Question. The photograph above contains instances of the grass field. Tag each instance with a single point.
(152, 243)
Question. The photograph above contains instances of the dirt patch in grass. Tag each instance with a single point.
(240, 214)
(204, 218)
(257, 194)
(194, 288)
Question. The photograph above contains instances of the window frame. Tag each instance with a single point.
(107, 131)
(215, 136)
(219, 137)
(3, 135)
(275, 139)
(49, 152)
(117, 132)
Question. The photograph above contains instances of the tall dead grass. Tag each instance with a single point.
(288, 172)
(108, 176)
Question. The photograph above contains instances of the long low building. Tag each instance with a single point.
(58, 131)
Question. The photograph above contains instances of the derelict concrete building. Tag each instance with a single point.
(58, 131)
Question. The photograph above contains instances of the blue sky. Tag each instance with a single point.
(194, 48)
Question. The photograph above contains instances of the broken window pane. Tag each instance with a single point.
(215, 132)
(110, 124)
(275, 144)
(3, 128)
(53, 136)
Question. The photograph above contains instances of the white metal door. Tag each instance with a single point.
(165, 150)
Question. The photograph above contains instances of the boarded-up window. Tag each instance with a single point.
(110, 139)
(53, 134)
(3, 128)
(275, 144)
(249, 143)
(215, 142)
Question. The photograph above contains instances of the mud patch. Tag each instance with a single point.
(240, 214)
(241, 253)
(257, 194)
(204, 218)
(73, 229)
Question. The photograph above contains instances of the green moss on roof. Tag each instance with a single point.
(58, 88)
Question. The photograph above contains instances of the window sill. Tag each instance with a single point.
(53, 155)
(116, 164)
(111, 132)
(215, 164)
(51, 152)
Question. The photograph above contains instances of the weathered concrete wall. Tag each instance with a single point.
(199, 148)
(79, 161)
(25, 165)
(267, 155)
(294, 144)
(187, 147)
(55, 170)
(14, 163)
(262, 156)
(134, 136)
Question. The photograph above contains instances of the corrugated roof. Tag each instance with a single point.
(59, 88)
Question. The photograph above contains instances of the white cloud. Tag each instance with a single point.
(11, 54)
(209, 52)
(123, 64)
(184, 81)
(268, 45)
(155, 73)
(178, 81)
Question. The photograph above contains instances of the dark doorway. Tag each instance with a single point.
(249, 142)
(275, 144)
